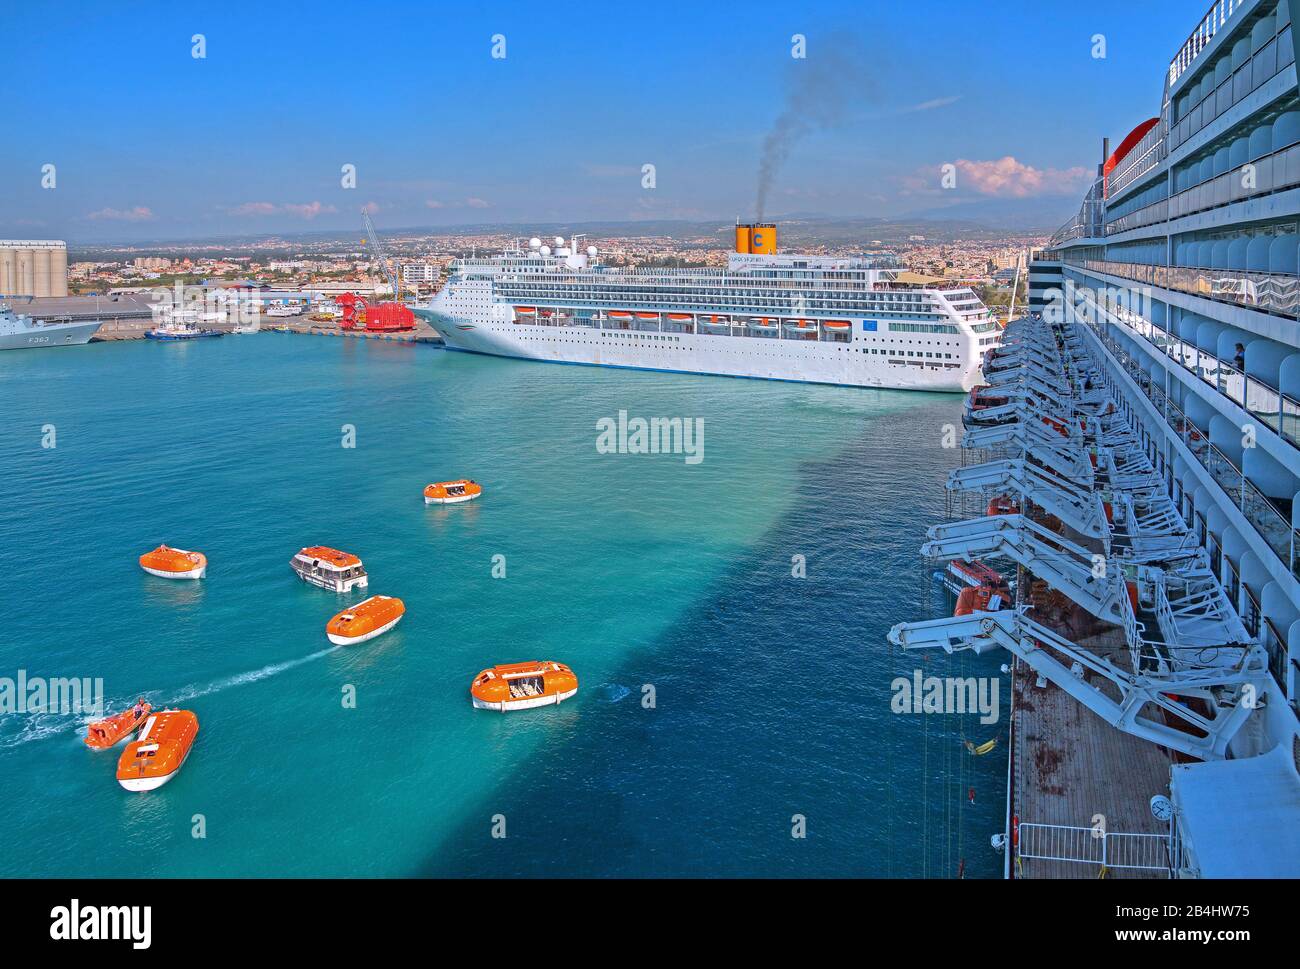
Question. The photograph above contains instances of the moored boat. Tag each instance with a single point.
(522, 686)
(329, 568)
(451, 492)
(111, 731)
(157, 755)
(174, 563)
(366, 620)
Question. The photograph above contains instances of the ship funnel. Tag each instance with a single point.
(762, 239)
(743, 235)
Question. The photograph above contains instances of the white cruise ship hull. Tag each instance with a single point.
(806, 361)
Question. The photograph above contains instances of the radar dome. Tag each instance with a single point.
(534, 242)
(591, 251)
(546, 250)
(559, 240)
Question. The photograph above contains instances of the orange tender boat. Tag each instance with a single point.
(109, 732)
(451, 492)
(982, 598)
(522, 686)
(174, 563)
(366, 620)
(159, 752)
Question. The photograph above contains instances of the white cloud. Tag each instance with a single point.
(307, 210)
(1008, 178)
(140, 213)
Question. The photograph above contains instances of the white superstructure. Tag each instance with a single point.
(856, 321)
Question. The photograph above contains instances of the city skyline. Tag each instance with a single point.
(252, 137)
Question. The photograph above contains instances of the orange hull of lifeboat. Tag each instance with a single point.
(982, 598)
(525, 311)
(647, 316)
(158, 754)
(619, 315)
(366, 620)
(451, 492)
(679, 317)
(1002, 506)
(111, 731)
(836, 324)
(522, 686)
(174, 563)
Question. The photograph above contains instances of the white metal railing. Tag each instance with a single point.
(1219, 13)
(1093, 846)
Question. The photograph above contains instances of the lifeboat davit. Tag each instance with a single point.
(174, 563)
(158, 754)
(982, 598)
(451, 492)
(111, 731)
(366, 620)
(522, 686)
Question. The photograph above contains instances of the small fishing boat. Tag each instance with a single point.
(109, 732)
(366, 620)
(180, 331)
(451, 492)
(522, 686)
(329, 568)
(174, 563)
(157, 755)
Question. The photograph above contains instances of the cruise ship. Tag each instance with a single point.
(856, 321)
(1133, 465)
(18, 331)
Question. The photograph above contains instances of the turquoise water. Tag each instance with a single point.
(771, 693)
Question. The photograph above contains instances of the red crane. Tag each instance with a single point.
(388, 317)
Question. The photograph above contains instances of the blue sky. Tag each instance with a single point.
(149, 142)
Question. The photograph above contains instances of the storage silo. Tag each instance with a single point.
(26, 276)
(40, 271)
(8, 278)
(59, 270)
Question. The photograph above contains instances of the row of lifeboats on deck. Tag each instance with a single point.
(763, 323)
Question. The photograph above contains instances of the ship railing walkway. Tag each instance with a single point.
(1097, 847)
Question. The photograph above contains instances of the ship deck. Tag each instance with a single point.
(1068, 766)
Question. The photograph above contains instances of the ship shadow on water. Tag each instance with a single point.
(772, 699)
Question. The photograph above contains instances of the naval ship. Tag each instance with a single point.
(857, 321)
(18, 331)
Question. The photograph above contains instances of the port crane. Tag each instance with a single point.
(385, 317)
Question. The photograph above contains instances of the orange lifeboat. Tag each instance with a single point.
(158, 754)
(982, 598)
(366, 620)
(174, 563)
(522, 686)
(619, 315)
(680, 317)
(525, 311)
(451, 492)
(1002, 505)
(837, 324)
(109, 732)
(329, 568)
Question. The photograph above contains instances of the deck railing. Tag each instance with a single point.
(1094, 846)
